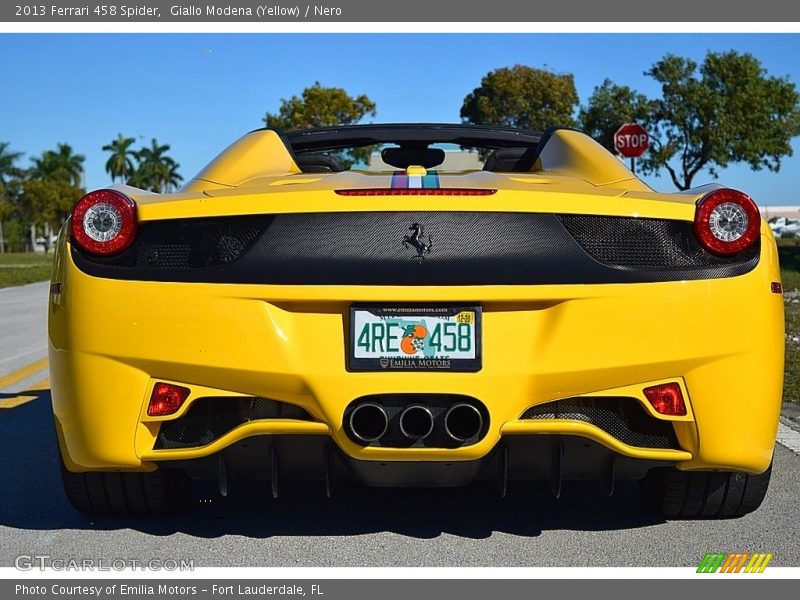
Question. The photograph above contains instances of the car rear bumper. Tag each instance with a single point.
(291, 458)
(721, 340)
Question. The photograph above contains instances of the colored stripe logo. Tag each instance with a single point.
(429, 181)
(738, 562)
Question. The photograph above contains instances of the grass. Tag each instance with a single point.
(791, 378)
(789, 250)
(19, 269)
(789, 255)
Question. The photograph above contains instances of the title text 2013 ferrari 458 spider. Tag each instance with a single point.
(470, 303)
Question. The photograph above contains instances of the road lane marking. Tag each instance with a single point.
(41, 350)
(23, 373)
(27, 395)
(789, 438)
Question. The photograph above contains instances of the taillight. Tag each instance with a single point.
(104, 222)
(726, 222)
(667, 399)
(166, 399)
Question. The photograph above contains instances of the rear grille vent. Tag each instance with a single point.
(209, 419)
(645, 243)
(622, 418)
(192, 243)
(374, 248)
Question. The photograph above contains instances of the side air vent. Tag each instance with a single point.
(623, 418)
(210, 418)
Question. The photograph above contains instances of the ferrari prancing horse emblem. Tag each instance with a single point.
(416, 240)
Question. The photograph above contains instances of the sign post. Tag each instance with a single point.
(631, 141)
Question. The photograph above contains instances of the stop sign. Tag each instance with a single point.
(631, 140)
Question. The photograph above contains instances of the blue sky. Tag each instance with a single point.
(198, 93)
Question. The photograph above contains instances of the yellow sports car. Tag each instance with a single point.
(464, 304)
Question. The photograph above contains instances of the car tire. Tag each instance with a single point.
(705, 494)
(109, 493)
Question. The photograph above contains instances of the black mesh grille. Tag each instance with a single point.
(645, 243)
(191, 243)
(461, 248)
(210, 418)
(623, 418)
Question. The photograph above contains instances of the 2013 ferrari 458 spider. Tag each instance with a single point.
(469, 303)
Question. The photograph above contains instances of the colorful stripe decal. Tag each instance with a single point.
(429, 181)
(399, 179)
(714, 562)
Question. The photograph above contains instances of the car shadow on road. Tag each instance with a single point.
(31, 497)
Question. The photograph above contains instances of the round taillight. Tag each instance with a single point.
(726, 222)
(104, 222)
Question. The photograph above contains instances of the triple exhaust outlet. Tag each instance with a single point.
(369, 422)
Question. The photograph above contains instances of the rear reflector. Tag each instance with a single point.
(166, 399)
(667, 399)
(416, 192)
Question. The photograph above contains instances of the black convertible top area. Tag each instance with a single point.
(404, 134)
(404, 144)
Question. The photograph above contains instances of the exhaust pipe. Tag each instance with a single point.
(368, 421)
(416, 422)
(463, 422)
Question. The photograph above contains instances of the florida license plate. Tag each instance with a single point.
(410, 338)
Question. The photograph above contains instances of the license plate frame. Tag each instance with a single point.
(424, 314)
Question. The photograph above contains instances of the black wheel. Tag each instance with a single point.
(115, 494)
(705, 494)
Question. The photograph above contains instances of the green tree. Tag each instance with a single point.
(155, 170)
(8, 160)
(610, 106)
(324, 107)
(120, 163)
(173, 178)
(46, 204)
(49, 201)
(61, 164)
(15, 236)
(9, 172)
(728, 111)
(523, 97)
(138, 179)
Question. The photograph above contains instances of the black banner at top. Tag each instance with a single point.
(460, 11)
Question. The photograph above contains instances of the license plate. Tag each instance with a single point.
(410, 338)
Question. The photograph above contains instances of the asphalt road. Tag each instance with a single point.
(23, 326)
(358, 526)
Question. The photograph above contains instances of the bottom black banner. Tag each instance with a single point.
(391, 589)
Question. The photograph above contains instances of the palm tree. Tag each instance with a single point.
(156, 171)
(120, 163)
(138, 179)
(174, 178)
(7, 160)
(60, 165)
